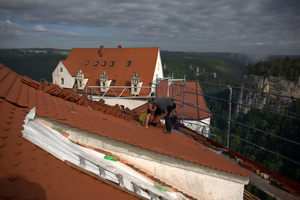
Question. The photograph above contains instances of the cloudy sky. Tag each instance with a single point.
(252, 26)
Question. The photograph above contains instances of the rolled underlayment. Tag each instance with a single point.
(49, 138)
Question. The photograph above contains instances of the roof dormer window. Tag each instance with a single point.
(135, 79)
(103, 77)
(104, 82)
(128, 63)
(96, 63)
(112, 63)
(135, 84)
(104, 63)
(86, 62)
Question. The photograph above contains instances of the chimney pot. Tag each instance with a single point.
(101, 50)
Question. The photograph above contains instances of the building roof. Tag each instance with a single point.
(28, 172)
(125, 62)
(188, 98)
(23, 163)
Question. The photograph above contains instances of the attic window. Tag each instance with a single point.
(112, 63)
(128, 63)
(104, 63)
(86, 62)
(96, 63)
(61, 69)
(112, 82)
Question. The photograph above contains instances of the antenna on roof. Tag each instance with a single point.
(101, 50)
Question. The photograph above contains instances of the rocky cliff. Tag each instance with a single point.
(274, 93)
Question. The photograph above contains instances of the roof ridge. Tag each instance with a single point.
(83, 100)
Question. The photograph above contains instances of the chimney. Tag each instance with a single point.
(101, 50)
(119, 47)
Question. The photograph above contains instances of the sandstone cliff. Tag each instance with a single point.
(274, 93)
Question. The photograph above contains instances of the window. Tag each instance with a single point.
(135, 88)
(112, 82)
(61, 69)
(112, 63)
(86, 62)
(62, 81)
(104, 63)
(128, 63)
(122, 107)
(96, 63)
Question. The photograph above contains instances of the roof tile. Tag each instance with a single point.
(7, 189)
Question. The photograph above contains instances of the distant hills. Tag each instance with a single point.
(224, 68)
(216, 67)
(35, 63)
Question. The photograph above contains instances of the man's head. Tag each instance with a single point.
(173, 105)
(152, 106)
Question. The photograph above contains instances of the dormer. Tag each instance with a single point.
(104, 82)
(135, 84)
(79, 80)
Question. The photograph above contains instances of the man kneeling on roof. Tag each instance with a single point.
(161, 108)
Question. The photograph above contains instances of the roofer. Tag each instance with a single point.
(161, 108)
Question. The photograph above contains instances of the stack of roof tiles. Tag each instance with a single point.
(79, 99)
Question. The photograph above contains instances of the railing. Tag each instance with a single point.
(261, 126)
(144, 92)
(122, 92)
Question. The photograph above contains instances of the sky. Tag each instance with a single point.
(238, 26)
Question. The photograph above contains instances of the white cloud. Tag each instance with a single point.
(39, 28)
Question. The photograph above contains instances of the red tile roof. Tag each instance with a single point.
(186, 93)
(143, 61)
(88, 115)
(20, 161)
(28, 172)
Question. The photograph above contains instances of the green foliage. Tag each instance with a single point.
(288, 68)
(35, 66)
(265, 127)
(227, 67)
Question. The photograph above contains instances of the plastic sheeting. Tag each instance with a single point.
(61, 147)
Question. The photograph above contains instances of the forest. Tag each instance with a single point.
(34, 65)
(288, 68)
(225, 68)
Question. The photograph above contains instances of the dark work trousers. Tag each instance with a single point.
(167, 118)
